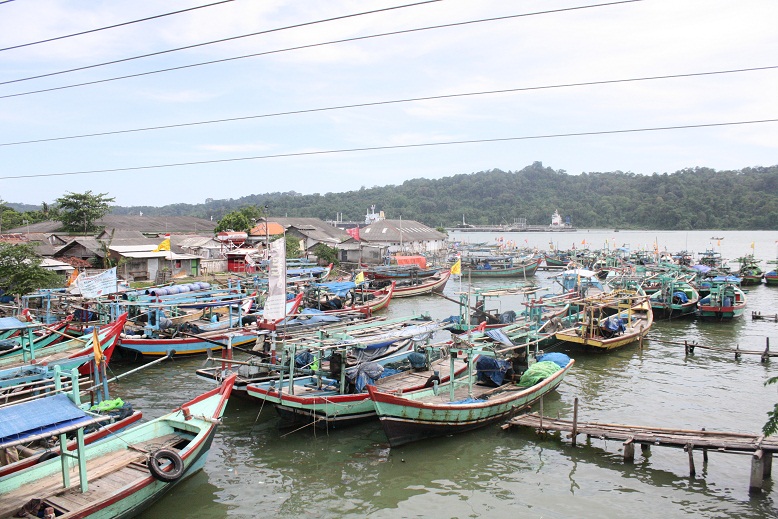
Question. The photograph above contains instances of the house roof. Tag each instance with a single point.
(90, 244)
(395, 231)
(164, 254)
(315, 229)
(194, 241)
(52, 264)
(274, 228)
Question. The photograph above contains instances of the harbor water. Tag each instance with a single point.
(256, 470)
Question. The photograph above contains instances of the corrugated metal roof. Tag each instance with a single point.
(394, 231)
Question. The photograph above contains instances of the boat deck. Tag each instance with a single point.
(107, 475)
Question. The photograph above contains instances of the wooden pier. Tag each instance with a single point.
(760, 448)
(757, 316)
(689, 348)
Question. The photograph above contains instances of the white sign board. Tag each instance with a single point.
(275, 306)
(99, 285)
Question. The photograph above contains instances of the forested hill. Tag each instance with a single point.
(698, 198)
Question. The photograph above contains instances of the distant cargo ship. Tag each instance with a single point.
(520, 225)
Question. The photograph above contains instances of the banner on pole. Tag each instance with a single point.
(99, 285)
(275, 306)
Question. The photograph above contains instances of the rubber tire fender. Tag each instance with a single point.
(176, 469)
(46, 456)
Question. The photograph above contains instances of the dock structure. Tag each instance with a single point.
(760, 448)
(689, 348)
(757, 316)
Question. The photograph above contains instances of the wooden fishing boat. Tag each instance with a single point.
(771, 277)
(417, 287)
(725, 301)
(597, 330)
(674, 299)
(42, 335)
(343, 297)
(121, 475)
(193, 338)
(73, 353)
(750, 273)
(458, 406)
(501, 269)
(41, 413)
(262, 363)
(326, 403)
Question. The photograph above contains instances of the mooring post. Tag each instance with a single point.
(629, 450)
(766, 354)
(645, 448)
(757, 472)
(686, 348)
(690, 449)
(704, 453)
(768, 465)
(575, 420)
(737, 351)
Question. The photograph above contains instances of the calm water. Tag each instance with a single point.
(254, 470)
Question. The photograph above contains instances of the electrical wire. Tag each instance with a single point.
(222, 40)
(389, 102)
(113, 26)
(277, 51)
(392, 147)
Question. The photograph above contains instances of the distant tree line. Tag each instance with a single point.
(693, 198)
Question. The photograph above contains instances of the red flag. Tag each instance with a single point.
(353, 232)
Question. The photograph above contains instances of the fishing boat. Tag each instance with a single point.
(416, 287)
(598, 330)
(41, 337)
(497, 267)
(39, 412)
(333, 396)
(725, 301)
(402, 268)
(345, 296)
(461, 404)
(750, 273)
(194, 338)
(31, 365)
(771, 277)
(675, 298)
(262, 362)
(123, 474)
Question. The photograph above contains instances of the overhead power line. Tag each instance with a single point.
(392, 147)
(222, 40)
(112, 26)
(388, 102)
(277, 51)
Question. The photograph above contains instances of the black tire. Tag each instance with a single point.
(175, 468)
(46, 456)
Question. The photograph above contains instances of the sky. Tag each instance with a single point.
(281, 153)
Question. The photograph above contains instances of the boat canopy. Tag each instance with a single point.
(47, 414)
(339, 288)
(11, 323)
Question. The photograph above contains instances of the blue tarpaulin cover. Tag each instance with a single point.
(340, 288)
(11, 323)
(491, 370)
(39, 416)
(702, 268)
(681, 296)
(613, 324)
(560, 359)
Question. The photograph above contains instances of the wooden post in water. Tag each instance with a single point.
(766, 354)
(757, 472)
(629, 450)
(704, 453)
(575, 420)
(690, 449)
